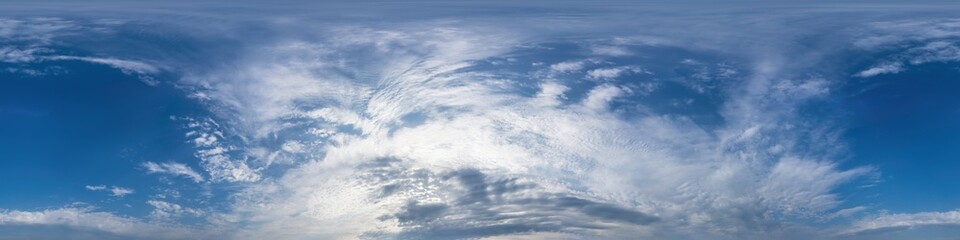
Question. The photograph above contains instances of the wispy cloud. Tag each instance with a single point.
(934, 41)
(166, 210)
(902, 221)
(105, 223)
(36, 31)
(881, 69)
(124, 65)
(566, 67)
(114, 190)
(174, 169)
(615, 72)
(215, 155)
(398, 131)
(549, 162)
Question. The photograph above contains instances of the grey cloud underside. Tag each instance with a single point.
(482, 206)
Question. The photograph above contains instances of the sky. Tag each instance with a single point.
(479, 120)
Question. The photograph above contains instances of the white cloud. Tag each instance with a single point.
(142, 70)
(904, 220)
(114, 190)
(38, 31)
(805, 186)
(599, 97)
(17, 55)
(882, 69)
(127, 66)
(216, 156)
(935, 51)
(165, 210)
(608, 50)
(87, 219)
(174, 169)
(566, 67)
(570, 169)
(292, 146)
(33, 40)
(934, 35)
(697, 180)
(551, 93)
(120, 192)
(615, 72)
(887, 33)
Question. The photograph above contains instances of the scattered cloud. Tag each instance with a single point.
(887, 68)
(599, 98)
(36, 31)
(120, 192)
(931, 41)
(18, 55)
(551, 93)
(615, 72)
(127, 66)
(608, 50)
(114, 190)
(567, 67)
(173, 169)
(215, 156)
(166, 210)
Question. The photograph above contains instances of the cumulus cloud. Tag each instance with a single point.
(173, 169)
(599, 98)
(551, 93)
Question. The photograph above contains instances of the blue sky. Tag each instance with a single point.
(428, 120)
